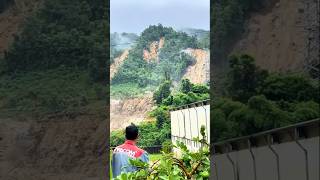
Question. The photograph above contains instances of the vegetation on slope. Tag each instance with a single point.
(203, 36)
(120, 42)
(59, 60)
(256, 100)
(51, 91)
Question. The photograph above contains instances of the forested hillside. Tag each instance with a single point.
(171, 61)
(58, 61)
(148, 65)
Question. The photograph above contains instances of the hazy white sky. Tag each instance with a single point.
(136, 15)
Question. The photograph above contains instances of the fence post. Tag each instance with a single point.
(296, 134)
(184, 125)
(198, 130)
(190, 126)
(214, 162)
(178, 124)
(268, 139)
(232, 162)
(205, 112)
(253, 160)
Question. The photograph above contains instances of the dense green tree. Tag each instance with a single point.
(186, 86)
(204, 41)
(163, 92)
(244, 77)
(257, 101)
(290, 87)
(273, 116)
(162, 115)
(200, 88)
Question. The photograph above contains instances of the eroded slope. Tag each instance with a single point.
(199, 72)
(283, 36)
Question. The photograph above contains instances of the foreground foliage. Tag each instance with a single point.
(191, 165)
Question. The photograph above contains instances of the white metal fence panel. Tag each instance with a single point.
(186, 124)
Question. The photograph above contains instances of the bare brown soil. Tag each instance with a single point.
(199, 72)
(153, 53)
(278, 36)
(131, 110)
(118, 63)
(52, 149)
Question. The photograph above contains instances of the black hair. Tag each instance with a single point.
(132, 132)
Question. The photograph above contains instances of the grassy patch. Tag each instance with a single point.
(154, 157)
(129, 90)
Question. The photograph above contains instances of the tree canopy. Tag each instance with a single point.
(257, 100)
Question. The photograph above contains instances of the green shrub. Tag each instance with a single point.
(304, 114)
(117, 137)
(290, 87)
(167, 146)
(162, 92)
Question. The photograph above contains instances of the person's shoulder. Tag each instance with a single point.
(142, 151)
(118, 147)
(144, 156)
(121, 145)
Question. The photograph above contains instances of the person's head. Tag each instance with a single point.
(132, 132)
